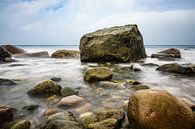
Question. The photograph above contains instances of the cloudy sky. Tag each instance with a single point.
(63, 22)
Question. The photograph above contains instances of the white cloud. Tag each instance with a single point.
(40, 22)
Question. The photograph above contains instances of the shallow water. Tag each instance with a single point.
(31, 71)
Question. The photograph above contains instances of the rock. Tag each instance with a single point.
(45, 88)
(24, 124)
(105, 124)
(98, 74)
(152, 109)
(65, 54)
(136, 67)
(177, 68)
(13, 49)
(84, 108)
(115, 44)
(140, 87)
(43, 54)
(6, 82)
(67, 91)
(6, 114)
(4, 54)
(133, 82)
(70, 100)
(107, 84)
(150, 64)
(125, 105)
(56, 79)
(50, 112)
(62, 120)
(53, 99)
(31, 107)
(189, 103)
(172, 52)
(104, 119)
(89, 119)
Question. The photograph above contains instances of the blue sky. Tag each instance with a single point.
(63, 22)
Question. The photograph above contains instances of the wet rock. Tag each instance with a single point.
(132, 82)
(6, 82)
(24, 124)
(50, 112)
(4, 54)
(177, 68)
(104, 119)
(152, 109)
(67, 91)
(150, 64)
(107, 84)
(13, 49)
(98, 74)
(136, 67)
(105, 124)
(84, 108)
(172, 52)
(6, 114)
(43, 54)
(45, 88)
(189, 103)
(88, 119)
(65, 54)
(116, 44)
(125, 105)
(70, 100)
(53, 99)
(31, 107)
(140, 87)
(62, 120)
(56, 79)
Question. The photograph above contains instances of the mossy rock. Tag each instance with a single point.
(65, 54)
(67, 91)
(140, 87)
(62, 120)
(87, 120)
(105, 124)
(98, 74)
(45, 88)
(25, 124)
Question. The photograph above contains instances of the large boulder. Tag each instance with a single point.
(43, 54)
(177, 68)
(13, 49)
(152, 109)
(62, 120)
(115, 44)
(4, 54)
(45, 88)
(171, 52)
(98, 74)
(65, 54)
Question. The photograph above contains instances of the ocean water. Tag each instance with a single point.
(31, 71)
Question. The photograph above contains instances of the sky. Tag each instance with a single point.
(63, 22)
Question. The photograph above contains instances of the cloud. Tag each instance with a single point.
(65, 21)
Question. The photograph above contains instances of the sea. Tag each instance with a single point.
(28, 72)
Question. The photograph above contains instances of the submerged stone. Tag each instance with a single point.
(67, 91)
(6, 82)
(24, 124)
(45, 88)
(98, 74)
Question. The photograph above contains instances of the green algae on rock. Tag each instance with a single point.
(67, 91)
(98, 74)
(115, 44)
(24, 124)
(45, 88)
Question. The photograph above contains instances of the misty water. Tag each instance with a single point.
(28, 72)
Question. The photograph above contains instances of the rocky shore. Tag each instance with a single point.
(126, 103)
